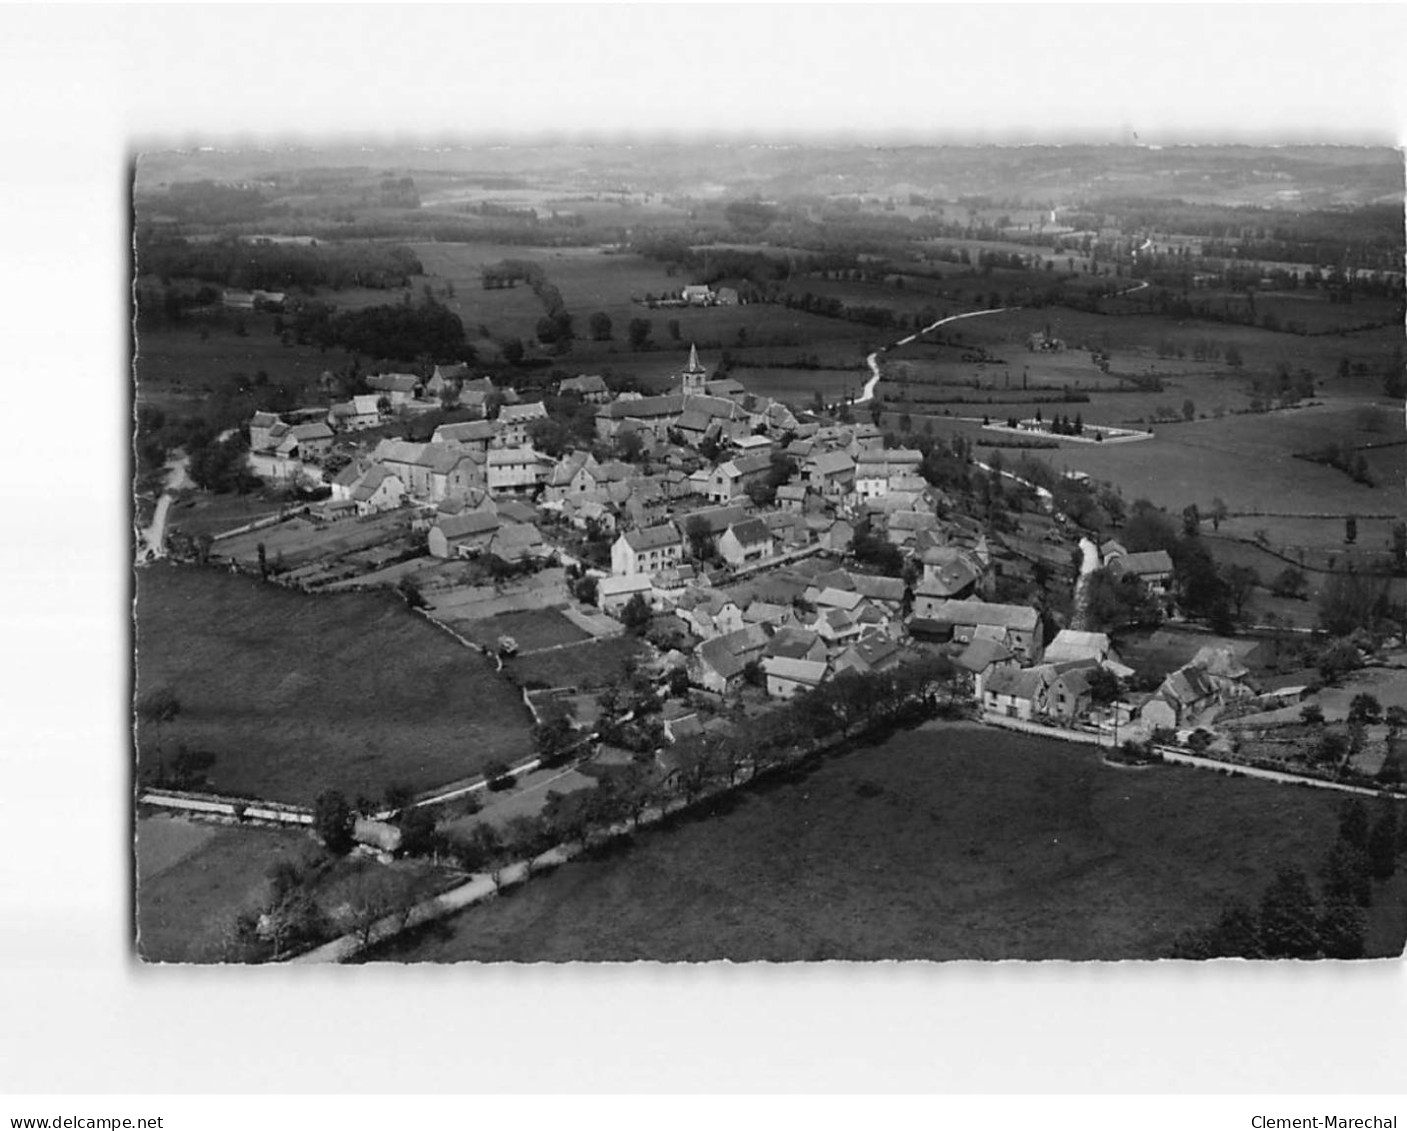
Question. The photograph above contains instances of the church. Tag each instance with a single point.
(694, 379)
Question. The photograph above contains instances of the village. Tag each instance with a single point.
(754, 553)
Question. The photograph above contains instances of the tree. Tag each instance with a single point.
(673, 327)
(553, 739)
(1354, 824)
(1365, 708)
(1338, 659)
(1312, 714)
(638, 332)
(418, 832)
(1350, 530)
(1382, 843)
(333, 820)
(290, 914)
(600, 326)
(157, 708)
(1191, 520)
(636, 615)
(1289, 582)
(1399, 547)
(1189, 410)
(1288, 922)
(1104, 686)
(1348, 873)
(700, 537)
(1219, 512)
(1342, 928)
(1240, 582)
(1233, 357)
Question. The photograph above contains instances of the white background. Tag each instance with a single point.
(82, 88)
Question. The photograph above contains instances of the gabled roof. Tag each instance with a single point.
(720, 657)
(517, 413)
(1019, 617)
(717, 518)
(585, 384)
(878, 588)
(467, 524)
(263, 420)
(393, 382)
(373, 479)
(947, 580)
(1146, 562)
(616, 586)
(1070, 644)
(653, 537)
(643, 408)
(465, 431)
(831, 463)
(792, 641)
(810, 672)
(751, 532)
(318, 431)
(398, 451)
(982, 653)
(1019, 683)
(839, 599)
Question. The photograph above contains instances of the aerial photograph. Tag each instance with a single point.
(706, 548)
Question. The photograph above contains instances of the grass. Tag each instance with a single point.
(531, 628)
(295, 694)
(592, 664)
(949, 842)
(185, 914)
(187, 911)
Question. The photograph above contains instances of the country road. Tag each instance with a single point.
(151, 542)
(873, 360)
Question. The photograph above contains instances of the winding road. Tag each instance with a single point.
(872, 361)
(151, 542)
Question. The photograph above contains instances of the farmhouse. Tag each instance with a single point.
(730, 478)
(378, 490)
(745, 542)
(614, 593)
(1017, 626)
(787, 677)
(1152, 567)
(517, 469)
(647, 550)
(831, 474)
(399, 388)
(589, 387)
(1017, 693)
(475, 434)
(514, 420)
(462, 535)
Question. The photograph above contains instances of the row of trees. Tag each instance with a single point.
(835, 711)
(243, 265)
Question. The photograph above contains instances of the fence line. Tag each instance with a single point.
(238, 808)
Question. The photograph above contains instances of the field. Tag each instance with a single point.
(591, 664)
(950, 842)
(295, 694)
(531, 628)
(186, 911)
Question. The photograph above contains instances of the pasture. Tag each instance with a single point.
(948, 842)
(295, 693)
(531, 628)
(187, 912)
(591, 664)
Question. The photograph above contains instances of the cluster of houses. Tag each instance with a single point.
(740, 570)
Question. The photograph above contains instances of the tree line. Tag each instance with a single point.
(1290, 921)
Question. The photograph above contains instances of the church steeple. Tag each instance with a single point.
(696, 376)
